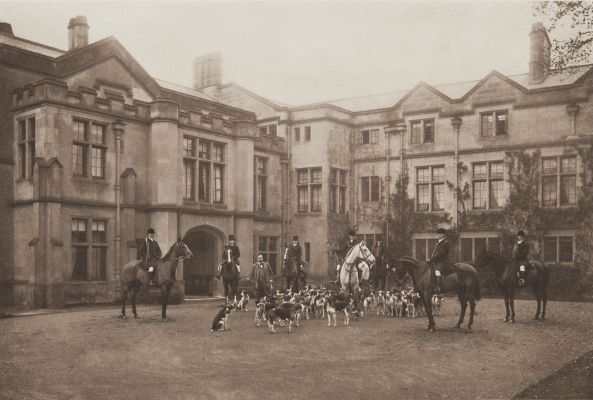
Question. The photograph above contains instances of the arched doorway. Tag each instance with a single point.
(200, 271)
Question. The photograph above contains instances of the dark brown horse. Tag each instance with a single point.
(464, 281)
(506, 278)
(134, 277)
(230, 278)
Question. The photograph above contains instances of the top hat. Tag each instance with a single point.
(352, 232)
(295, 238)
(231, 237)
(151, 231)
(520, 233)
(441, 231)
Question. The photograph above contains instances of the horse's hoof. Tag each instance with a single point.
(458, 326)
(543, 318)
(536, 317)
(513, 321)
(432, 329)
(505, 320)
(123, 317)
(135, 316)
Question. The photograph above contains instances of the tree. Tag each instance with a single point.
(574, 20)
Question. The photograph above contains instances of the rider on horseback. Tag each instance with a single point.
(344, 252)
(230, 253)
(297, 253)
(520, 253)
(440, 257)
(150, 253)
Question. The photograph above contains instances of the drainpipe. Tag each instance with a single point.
(387, 185)
(118, 128)
(456, 122)
(401, 131)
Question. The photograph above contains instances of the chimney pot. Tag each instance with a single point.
(207, 71)
(539, 63)
(78, 32)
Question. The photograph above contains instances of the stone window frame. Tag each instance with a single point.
(423, 123)
(556, 236)
(26, 135)
(559, 174)
(494, 128)
(487, 179)
(338, 189)
(369, 136)
(297, 134)
(305, 186)
(261, 183)
(366, 193)
(90, 148)
(269, 130)
(307, 133)
(268, 252)
(431, 184)
(492, 241)
(90, 244)
(209, 157)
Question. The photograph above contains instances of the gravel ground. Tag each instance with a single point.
(91, 354)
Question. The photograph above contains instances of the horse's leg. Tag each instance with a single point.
(538, 298)
(544, 299)
(463, 303)
(165, 290)
(507, 306)
(512, 304)
(123, 307)
(428, 308)
(135, 290)
(472, 308)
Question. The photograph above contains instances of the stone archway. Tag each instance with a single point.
(199, 273)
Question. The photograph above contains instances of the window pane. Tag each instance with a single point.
(273, 244)
(307, 251)
(316, 198)
(565, 245)
(501, 123)
(297, 134)
(333, 199)
(342, 201)
(78, 229)
(189, 167)
(568, 164)
(23, 160)
(479, 195)
(550, 249)
(438, 174)
(496, 170)
(549, 193)
(79, 263)
(466, 250)
(98, 134)
(272, 130)
(302, 176)
(204, 181)
(416, 132)
(261, 192)
(31, 147)
(365, 188)
(428, 131)
(438, 195)
(307, 133)
(79, 160)
(303, 194)
(374, 135)
(364, 137)
(98, 162)
(423, 196)
(422, 175)
(342, 177)
(218, 183)
(218, 152)
(204, 150)
(31, 122)
(496, 194)
(263, 244)
(260, 165)
(494, 244)
(568, 190)
(550, 166)
(98, 270)
(479, 245)
(316, 175)
(189, 147)
(333, 176)
(263, 130)
(420, 245)
(479, 171)
(98, 230)
(22, 130)
(487, 125)
(80, 131)
(375, 188)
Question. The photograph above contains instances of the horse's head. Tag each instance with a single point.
(482, 260)
(181, 250)
(362, 253)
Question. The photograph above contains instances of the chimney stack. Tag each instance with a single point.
(539, 63)
(78, 32)
(207, 71)
(6, 29)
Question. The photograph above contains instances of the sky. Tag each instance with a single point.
(301, 52)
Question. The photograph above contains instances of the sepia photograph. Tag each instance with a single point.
(238, 200)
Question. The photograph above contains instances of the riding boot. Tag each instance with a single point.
(151, 277)
(521, 278)
(437, 289)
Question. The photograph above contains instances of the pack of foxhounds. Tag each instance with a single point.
(288, 309)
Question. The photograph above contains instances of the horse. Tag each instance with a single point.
(464, 281)
(379, 275)
(230, 277)
(506, 278)
(134, 277)
(292, 275)
(349, 272)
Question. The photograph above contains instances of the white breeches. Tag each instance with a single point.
(437, 272)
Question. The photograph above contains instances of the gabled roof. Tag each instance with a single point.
(269, 102)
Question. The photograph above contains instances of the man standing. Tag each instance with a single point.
(297, 256)
(440, 257)
(520, 253)
(150, 253)
(231, 253)
(261, 274)
(379, 273)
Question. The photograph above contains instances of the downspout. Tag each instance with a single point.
(456, 122)
(118, 128)
(401, 130)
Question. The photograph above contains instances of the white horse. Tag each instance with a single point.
(359, 254)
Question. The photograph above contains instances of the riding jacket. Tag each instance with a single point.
(235, 253)
(297, 253)
(440, 255)
(520, 253)
(149, 252)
